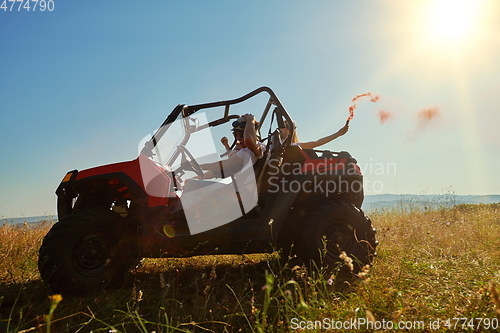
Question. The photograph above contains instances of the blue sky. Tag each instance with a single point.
(81, 85)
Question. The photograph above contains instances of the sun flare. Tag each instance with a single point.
(452, 22)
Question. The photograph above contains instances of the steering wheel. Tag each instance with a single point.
(188, 157)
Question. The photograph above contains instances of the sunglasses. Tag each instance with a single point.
(237, 124)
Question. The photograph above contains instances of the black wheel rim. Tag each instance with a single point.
(93, 254)
(339, 238)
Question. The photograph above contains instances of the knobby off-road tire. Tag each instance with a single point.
(87, 251)
(333, 227)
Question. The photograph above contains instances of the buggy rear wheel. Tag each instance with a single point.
(333, 228)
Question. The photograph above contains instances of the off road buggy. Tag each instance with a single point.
(112, 216)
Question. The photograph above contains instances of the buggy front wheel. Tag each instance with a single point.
(88, 250)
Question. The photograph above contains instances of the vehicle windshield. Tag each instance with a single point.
(174, 135)
(192, 132)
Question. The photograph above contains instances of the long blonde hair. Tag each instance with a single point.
(295, 137)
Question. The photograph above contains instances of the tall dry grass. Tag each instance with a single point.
(19, 251)
(431, 265)
(435, 264)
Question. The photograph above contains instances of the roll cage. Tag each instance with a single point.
(182, 111)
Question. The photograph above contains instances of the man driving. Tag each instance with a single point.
(212, 203)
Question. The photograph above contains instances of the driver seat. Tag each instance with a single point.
(271, 158)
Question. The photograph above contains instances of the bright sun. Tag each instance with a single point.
(451, 22)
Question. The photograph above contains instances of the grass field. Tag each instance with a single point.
(432, 267)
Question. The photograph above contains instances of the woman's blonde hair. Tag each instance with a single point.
(295, 137)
